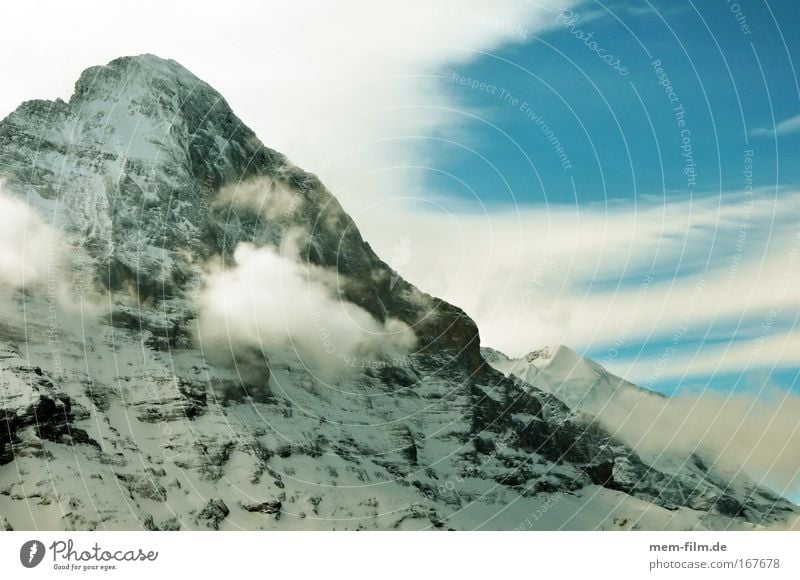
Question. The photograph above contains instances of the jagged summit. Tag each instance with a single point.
(132, 88)
(152, 81)
(148, 70)
(150, 101)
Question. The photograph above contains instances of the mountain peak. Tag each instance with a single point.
(149, 97)
(558, 362)
(124, 74)
(562, 361)
(147, 61)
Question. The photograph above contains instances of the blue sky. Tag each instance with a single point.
(620, 131)
(731, 72)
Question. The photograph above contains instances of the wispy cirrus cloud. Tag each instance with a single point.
(626, 278)
(741, 353)
(786, 127)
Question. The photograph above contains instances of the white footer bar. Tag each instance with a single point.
(385, 555)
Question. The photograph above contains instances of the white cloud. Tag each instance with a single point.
(785, 127)
(30, 250)
(39, 263)
(756, 434)
(270, 302)
(262, 195)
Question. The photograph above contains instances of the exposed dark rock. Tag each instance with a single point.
(144, 485)
(213, 513)
(266, 507)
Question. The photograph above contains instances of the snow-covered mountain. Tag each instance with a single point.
(134, 396)
(579, 382)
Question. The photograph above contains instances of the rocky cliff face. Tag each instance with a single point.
(116, 414)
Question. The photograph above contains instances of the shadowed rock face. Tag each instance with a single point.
(147, 171)
(30, 400)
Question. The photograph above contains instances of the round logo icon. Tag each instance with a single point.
(31, 553)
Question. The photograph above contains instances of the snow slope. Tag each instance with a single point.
(581, 383)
